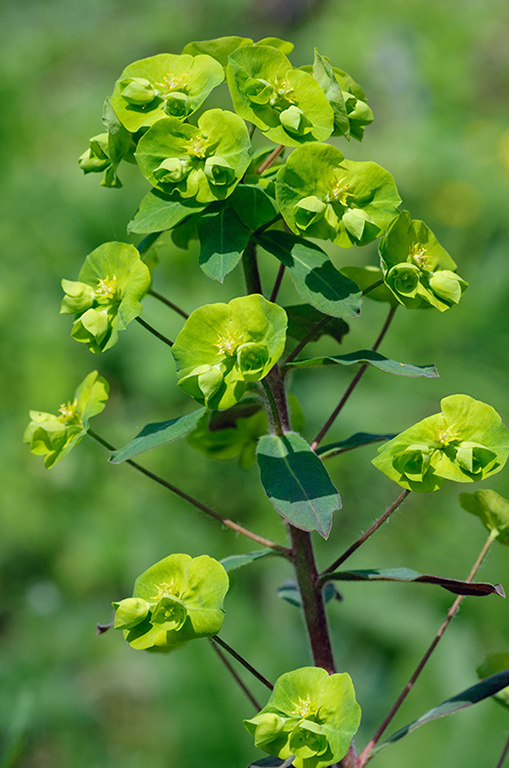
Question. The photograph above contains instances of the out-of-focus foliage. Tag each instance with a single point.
(75, 538)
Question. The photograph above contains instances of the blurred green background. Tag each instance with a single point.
(73, 539)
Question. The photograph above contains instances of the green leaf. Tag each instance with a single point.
(492, 509)
(272, 762)
(253, 205)
(158, 212)
(154, 435)
(493, 663)
(367, 356)
(302, 318)
(483, 690)
(355, 441)
(233, 562)
(314, 275)
(406, 574)
(223, 239)
(324, 76)
(297, 483)
(219, 48)
(290, 592)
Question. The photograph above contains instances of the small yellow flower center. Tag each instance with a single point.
(338, 193)
(304, 707)
(227, 343)
(173, 83)
(419, 256)
(197, 147)
(67, 411)
(166, 589)
(282, 91)
(446, 436)
(106, 287)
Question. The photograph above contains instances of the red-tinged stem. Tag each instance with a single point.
(309, 337)
(277, 284)
(365, 536)
(198, 504)
(366, 753)
(332, 418)
(235, 676)
(504, 754)
(270, 159)
(243, 661)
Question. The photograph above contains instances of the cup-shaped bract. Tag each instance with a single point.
(320, 194)
(492, 664)
(310, 714)
(107, 294)
(53, 436)
(492, 510)
(285, 103)
(417, 270)
(107, 150)
(466, 442)
(220, 48)
(164, 85)
(176, 600)
(222, 347)
(204, 162)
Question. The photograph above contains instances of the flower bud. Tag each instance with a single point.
(295, 121)
(137, 91)
(177, 104)
(413, 462)
(130, 612)
(169, 614)
(171, 171)
(258, 91)
(308, 211)
(251, 360)
(219, 171)
(404, 279)
(447, 285)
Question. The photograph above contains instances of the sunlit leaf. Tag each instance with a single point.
(371, 358)
(154, 435)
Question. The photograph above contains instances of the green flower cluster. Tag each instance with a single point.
(320, 194)
(417, 270)
(174, 601)
(310, 714)
(466, 442)
(205, 162)
(223, 347)
(107, 294)
(54, 436)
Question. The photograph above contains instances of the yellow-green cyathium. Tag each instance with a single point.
(174, 601)
(466, 442)
(53, 436)
(310, 714)
(107, 294)
(417, 270)
(223, 347)
(321, 194)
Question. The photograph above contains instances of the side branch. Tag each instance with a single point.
(365, 755)
(235, 676)
(243, 661)
(365, 536)
(198, 504)
(154, 332)
(168, 303)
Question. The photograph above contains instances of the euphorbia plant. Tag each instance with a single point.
(254, 182)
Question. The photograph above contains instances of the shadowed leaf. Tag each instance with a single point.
(157, 434)
(371, 358)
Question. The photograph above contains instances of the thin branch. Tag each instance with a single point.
(355, 546)
(168, 303)
(372, 286)
(504, 754)
(235, 676)
(365, 755)
(353, 383)
(198, 504)
(270, 159)
(154, 332)
(277, 284)
(243, 661)
(309, 337)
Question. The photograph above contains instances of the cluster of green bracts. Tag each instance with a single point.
(207, 181)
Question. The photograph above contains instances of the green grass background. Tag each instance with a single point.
(73, 539)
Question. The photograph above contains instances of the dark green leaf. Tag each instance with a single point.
(253, 205)
(483, 690)
(158, 212)
(406, 574)
(297, 483)
(233, 562)
(157, 434)
(324, 76)
(290, 592)
(302, 318)
(223, 238)
(272, 762)
(371, 358)
(314, 275)
(355, 441)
